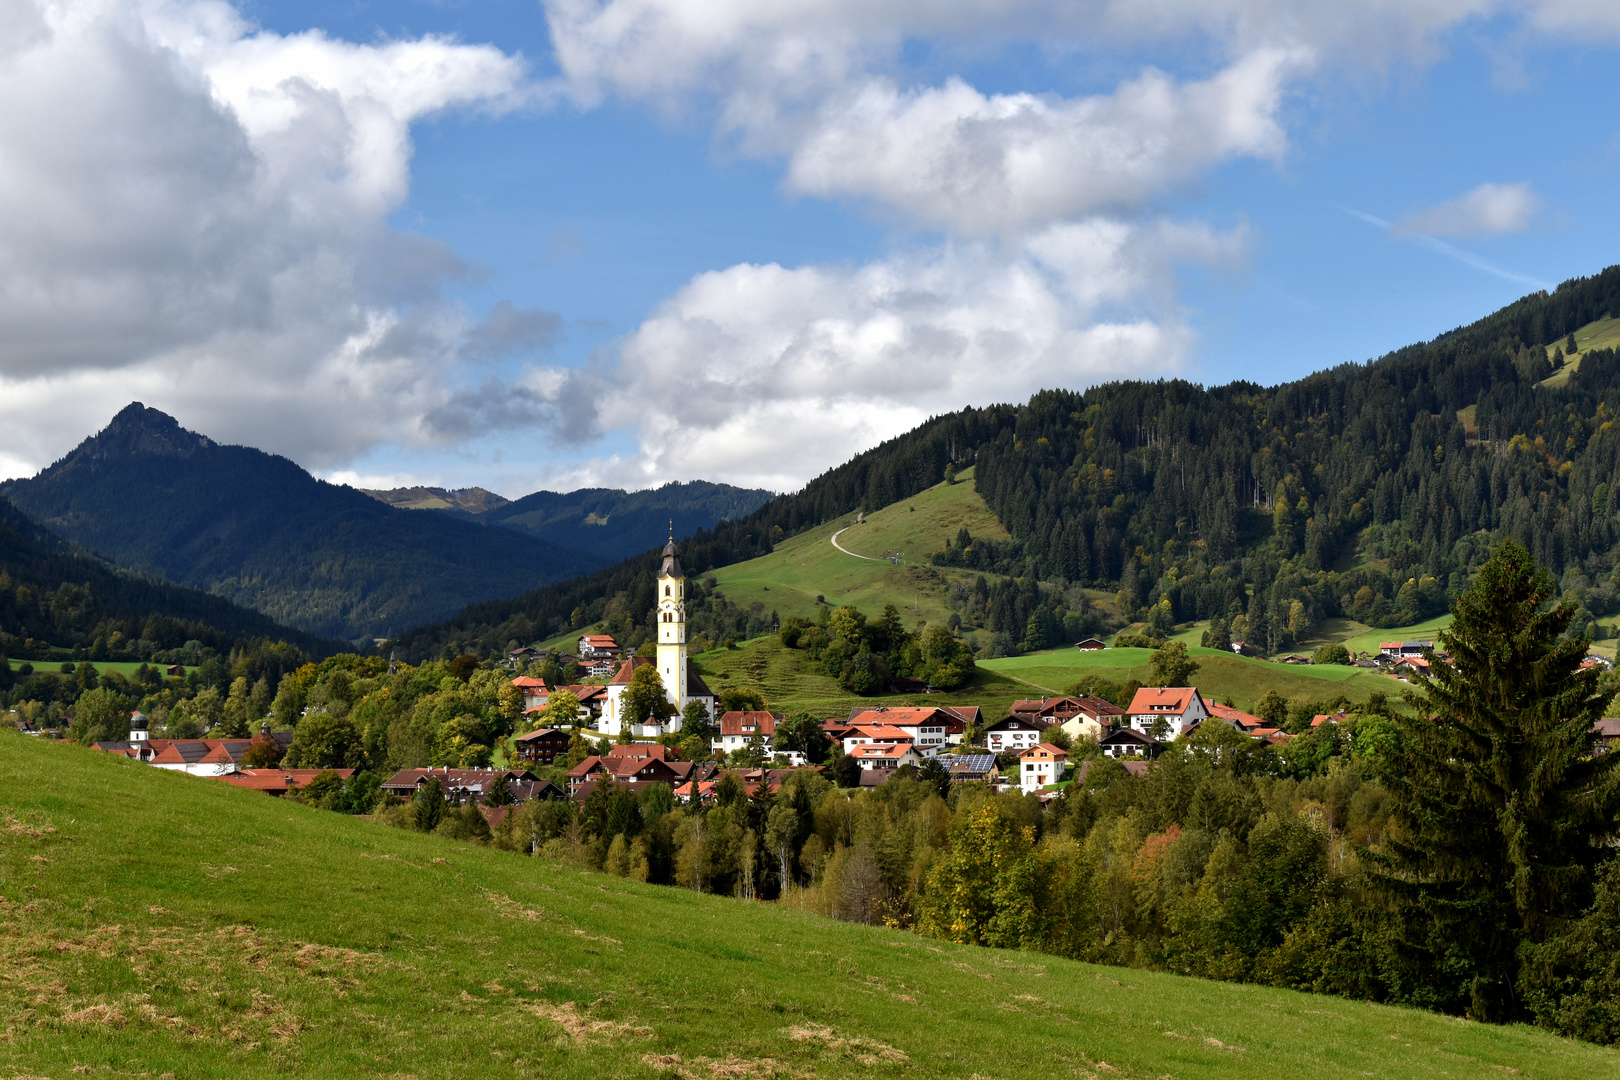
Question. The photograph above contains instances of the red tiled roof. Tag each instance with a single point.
(883, 733)
(601, 641)
(749, 722)
(901, 717)
(641, 750)
(524, 682)
(278, 780)
(1233, 716)
(1057, 752)
(1167, 700)
(881, 750)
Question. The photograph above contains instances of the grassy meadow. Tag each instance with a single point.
(1602, 334)
(806, 566)
(156, 924)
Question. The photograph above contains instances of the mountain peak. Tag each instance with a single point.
(140, 430)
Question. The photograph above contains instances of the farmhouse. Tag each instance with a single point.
(1128, 742)
(1041, 766)
(465, 785)
(1013, 733)
(1172, 708)
(542, 747)
(278, 782)
(739, 727)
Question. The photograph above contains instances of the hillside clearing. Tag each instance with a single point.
(244, 937)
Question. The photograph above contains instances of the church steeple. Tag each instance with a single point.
(672, 623)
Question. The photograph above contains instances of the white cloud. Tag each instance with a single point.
(194, 213)
(1488, 210)
(976, 164)
(766, 375)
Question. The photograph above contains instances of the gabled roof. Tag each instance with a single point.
(900, 717)
(749, 722)
(881, 751)
(1019, 723)
(968, 763)
(628, 668)
(542, 733)
(1608, 728)
(1236, 717)
(599, 641)
(1127, 735)
(525, 682)
(1163, 700)
(884, 733)
(641, 750)
(1045, 750)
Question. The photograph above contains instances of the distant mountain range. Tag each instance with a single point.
(256, 529)
(51, 595)
(606, 523)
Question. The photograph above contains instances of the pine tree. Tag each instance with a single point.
(1504, 808)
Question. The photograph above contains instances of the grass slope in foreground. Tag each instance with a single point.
(156, 923)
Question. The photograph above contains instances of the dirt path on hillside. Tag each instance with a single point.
(846, 550)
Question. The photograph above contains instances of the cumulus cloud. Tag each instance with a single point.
(955, 158)
(767, 375)
(1488, 210)
(194, 212)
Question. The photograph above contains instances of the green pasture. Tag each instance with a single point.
(1602, 334)
(156, 924)
(806, 566)
(1221, 675)
(127, 668)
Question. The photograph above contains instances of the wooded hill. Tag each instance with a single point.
(55, 601)
(1368, 490)
(258, 530)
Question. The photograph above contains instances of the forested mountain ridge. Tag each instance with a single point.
(257, 529)
(614, 524)
(53, 598)
(1371, 490)
(606, 523)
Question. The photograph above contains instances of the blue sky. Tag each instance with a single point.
(528, 245)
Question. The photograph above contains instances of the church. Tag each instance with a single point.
(682, 683)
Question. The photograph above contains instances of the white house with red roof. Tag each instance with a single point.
(741, 726)
(929, 728)
(592, 646)
(888, 756)
(1041, 766)
(535, 691)
(1176, 707)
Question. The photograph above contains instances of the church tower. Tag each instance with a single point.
(672, 625)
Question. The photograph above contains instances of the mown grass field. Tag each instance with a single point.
(1220, 676)
(1602, 334)
(806, 566)
(156, 924)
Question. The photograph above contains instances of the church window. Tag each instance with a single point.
(666, 590)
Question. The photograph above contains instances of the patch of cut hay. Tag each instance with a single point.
(865, 1051)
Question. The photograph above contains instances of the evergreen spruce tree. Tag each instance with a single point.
(1503, 808)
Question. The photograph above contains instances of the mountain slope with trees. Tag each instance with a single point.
(261, 532)
(1371, 491)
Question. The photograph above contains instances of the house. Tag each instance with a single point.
(1013, 733)
(592, 700)
(1596, 661)
(1330, 718)
(630, 763)
(201, 757)
(542, 747)
(1244, 722)
(1128, 742)
(969, 768)
(535, 692)
(464, 785)
(1608, 731)
(1175, 708)
(1079, 717)
(1398, 649)
(955, 718)
(741, 726)
(1410, 665)
(1293, 658)
(518, 657)
(888, 756)
(278, 782)
(1091, 644)
(1041, 766)
(593, 646)
(928, 727)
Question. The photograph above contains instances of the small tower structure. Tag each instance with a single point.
(138, 727)
(672, 624)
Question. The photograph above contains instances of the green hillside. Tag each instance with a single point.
(809, 566)
(157, 924)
